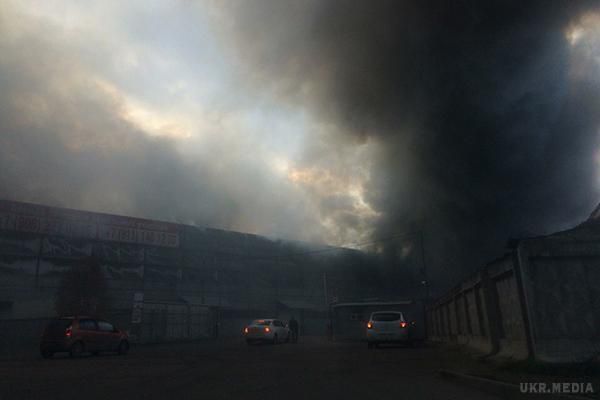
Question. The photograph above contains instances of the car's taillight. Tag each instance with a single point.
(68, 332)
(267, 329)
(246, 330)
(369, 325)
(403, 324)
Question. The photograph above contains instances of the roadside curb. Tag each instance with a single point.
(503, 389)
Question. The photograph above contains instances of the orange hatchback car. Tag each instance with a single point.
(78, 335)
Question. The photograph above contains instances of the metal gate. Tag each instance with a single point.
(163, 322)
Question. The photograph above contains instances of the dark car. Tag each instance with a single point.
(78, 335)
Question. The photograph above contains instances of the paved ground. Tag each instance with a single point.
(314, 369)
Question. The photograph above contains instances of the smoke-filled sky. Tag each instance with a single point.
(326, 121)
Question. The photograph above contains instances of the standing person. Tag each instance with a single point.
(294, 328)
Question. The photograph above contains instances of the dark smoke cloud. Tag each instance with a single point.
(485, 132)
(472, 121)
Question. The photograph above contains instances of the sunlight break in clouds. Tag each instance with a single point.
(584, 37)
(134, 108)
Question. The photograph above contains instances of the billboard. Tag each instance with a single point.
(32, 218)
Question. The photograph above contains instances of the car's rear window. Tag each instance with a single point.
(261, 322)
(87, 325)
(105, 326)
(386, 317)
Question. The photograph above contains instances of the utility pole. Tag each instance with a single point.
(325, 288)
(426, 283)
(37, 263)
(425, 276)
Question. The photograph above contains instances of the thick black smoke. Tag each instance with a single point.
(486, 132)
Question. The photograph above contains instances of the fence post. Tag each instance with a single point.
(525, 310)
(490, 303)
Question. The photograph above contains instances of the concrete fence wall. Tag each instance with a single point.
(540, 300)
(561, 284)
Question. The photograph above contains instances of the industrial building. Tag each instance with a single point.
(170, 281)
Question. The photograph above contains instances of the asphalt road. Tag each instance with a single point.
(312, 369)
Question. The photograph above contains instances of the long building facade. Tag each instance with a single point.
(169, 281)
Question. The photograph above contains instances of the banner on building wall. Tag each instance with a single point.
(138, 308)
(65, 248)
(19, 247)
(24, 217)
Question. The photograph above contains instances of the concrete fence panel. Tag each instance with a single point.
(561, 281)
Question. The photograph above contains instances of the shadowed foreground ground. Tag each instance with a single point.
(313, 369)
